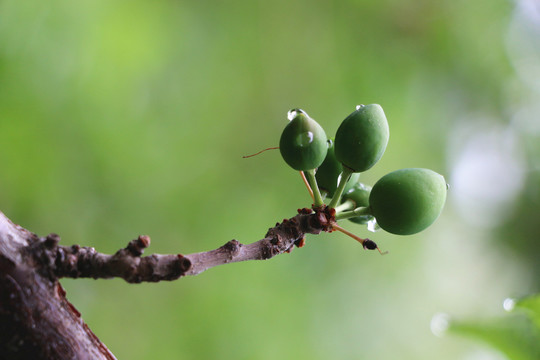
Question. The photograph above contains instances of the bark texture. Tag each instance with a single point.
(36, 319)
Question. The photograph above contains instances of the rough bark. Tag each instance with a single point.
(38, 322)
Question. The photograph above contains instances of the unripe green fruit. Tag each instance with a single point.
(407, 201)
(359, 194)
(303, 142)
(328, 173)
(362, 138)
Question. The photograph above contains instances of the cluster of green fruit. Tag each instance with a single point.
(402, 202)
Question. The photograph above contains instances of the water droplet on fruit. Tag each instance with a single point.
(358, 107)
(304, 139)
(509, 304)
(372, 225)
(294, 112)
(291, 114)
(439, 324)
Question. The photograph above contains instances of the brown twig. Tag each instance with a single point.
(128, 264)
(278, 239)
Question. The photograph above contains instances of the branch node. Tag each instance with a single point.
(184, 263)
(232, 247)
(51, 241)
(300, 243)
(144, 240)
(136, 247)
(270, 249)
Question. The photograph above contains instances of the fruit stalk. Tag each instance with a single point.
(359, 211)
(344, 206)
(345, 175)
(317, 197)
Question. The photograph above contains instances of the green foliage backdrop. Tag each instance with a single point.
(120, 118)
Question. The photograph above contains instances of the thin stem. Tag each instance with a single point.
(346, 232)
(270, 148)
(364, 242)
(359, 211)
(345, 176)
(317, 198)
(345, 206)
(307, 185)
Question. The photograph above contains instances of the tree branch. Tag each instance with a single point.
(38, 322)
(279, 239)
(127, 263)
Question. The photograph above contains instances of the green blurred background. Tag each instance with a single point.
(120, 118)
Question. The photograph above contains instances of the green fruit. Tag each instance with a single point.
(328, 173)
(303, 142)
(359, 195)
(352, 181)
(407, 201)
(362, 138)
(362, 219)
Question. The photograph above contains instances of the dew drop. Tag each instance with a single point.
(294, 112)
(358, 107)
(372, 225)
(447, 186)
(291, 114)
(439, 324)
(509, 304)
(304, 139)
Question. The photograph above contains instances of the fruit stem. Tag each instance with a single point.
(345, 176)
(317, 198)
(348, 233)
(263, 150)
(345, 206)
(307, 185)
(359, 211)
(360, 240)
